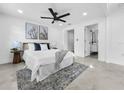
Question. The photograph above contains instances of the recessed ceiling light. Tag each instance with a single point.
(85, 13)
(20, 11)
(60, 24)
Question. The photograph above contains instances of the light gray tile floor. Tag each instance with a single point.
(102, 76)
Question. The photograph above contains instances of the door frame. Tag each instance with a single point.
(85, 45)
(73, 36)
(85, 37)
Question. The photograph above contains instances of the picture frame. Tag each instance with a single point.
(43, 32)
(31, 31)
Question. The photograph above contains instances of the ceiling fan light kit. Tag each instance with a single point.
(55, 17)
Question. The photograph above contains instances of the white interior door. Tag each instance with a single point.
(87, 41)
(71, 40)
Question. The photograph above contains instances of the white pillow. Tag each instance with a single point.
(31, 47)
(44, 47)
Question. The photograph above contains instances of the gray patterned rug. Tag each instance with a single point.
(57, 81)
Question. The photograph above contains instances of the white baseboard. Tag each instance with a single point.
(4, 61)
(115, 61)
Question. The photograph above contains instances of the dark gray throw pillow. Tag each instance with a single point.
(37, 46)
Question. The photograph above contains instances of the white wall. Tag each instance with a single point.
(110, 36)
(115, 37)
(79, 37)
(12, 29)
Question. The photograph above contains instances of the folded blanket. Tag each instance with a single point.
(59, 57)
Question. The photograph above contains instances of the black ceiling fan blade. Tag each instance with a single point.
(64, 15)
(61, 20)
(47, 17)
(51, 11)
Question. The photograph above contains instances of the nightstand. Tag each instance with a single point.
(17, 56)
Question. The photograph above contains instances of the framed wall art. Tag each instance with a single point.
(31, 31)
(43, 32)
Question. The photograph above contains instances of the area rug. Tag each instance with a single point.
(57, 81)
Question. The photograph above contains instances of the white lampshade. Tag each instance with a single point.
(16, 44)
(53, 44)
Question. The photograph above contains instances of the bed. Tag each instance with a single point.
(42, 63)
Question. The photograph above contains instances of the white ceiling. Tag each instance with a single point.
(115, 7)
(33, 11)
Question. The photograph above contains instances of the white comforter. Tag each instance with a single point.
(42, 62)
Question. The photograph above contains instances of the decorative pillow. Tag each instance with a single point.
(44, 47)
(48, 45)
(31, 47)
(37, 46)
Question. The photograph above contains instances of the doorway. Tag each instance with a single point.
(70, 40)
(91, 40)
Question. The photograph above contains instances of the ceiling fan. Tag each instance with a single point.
(55, 17)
